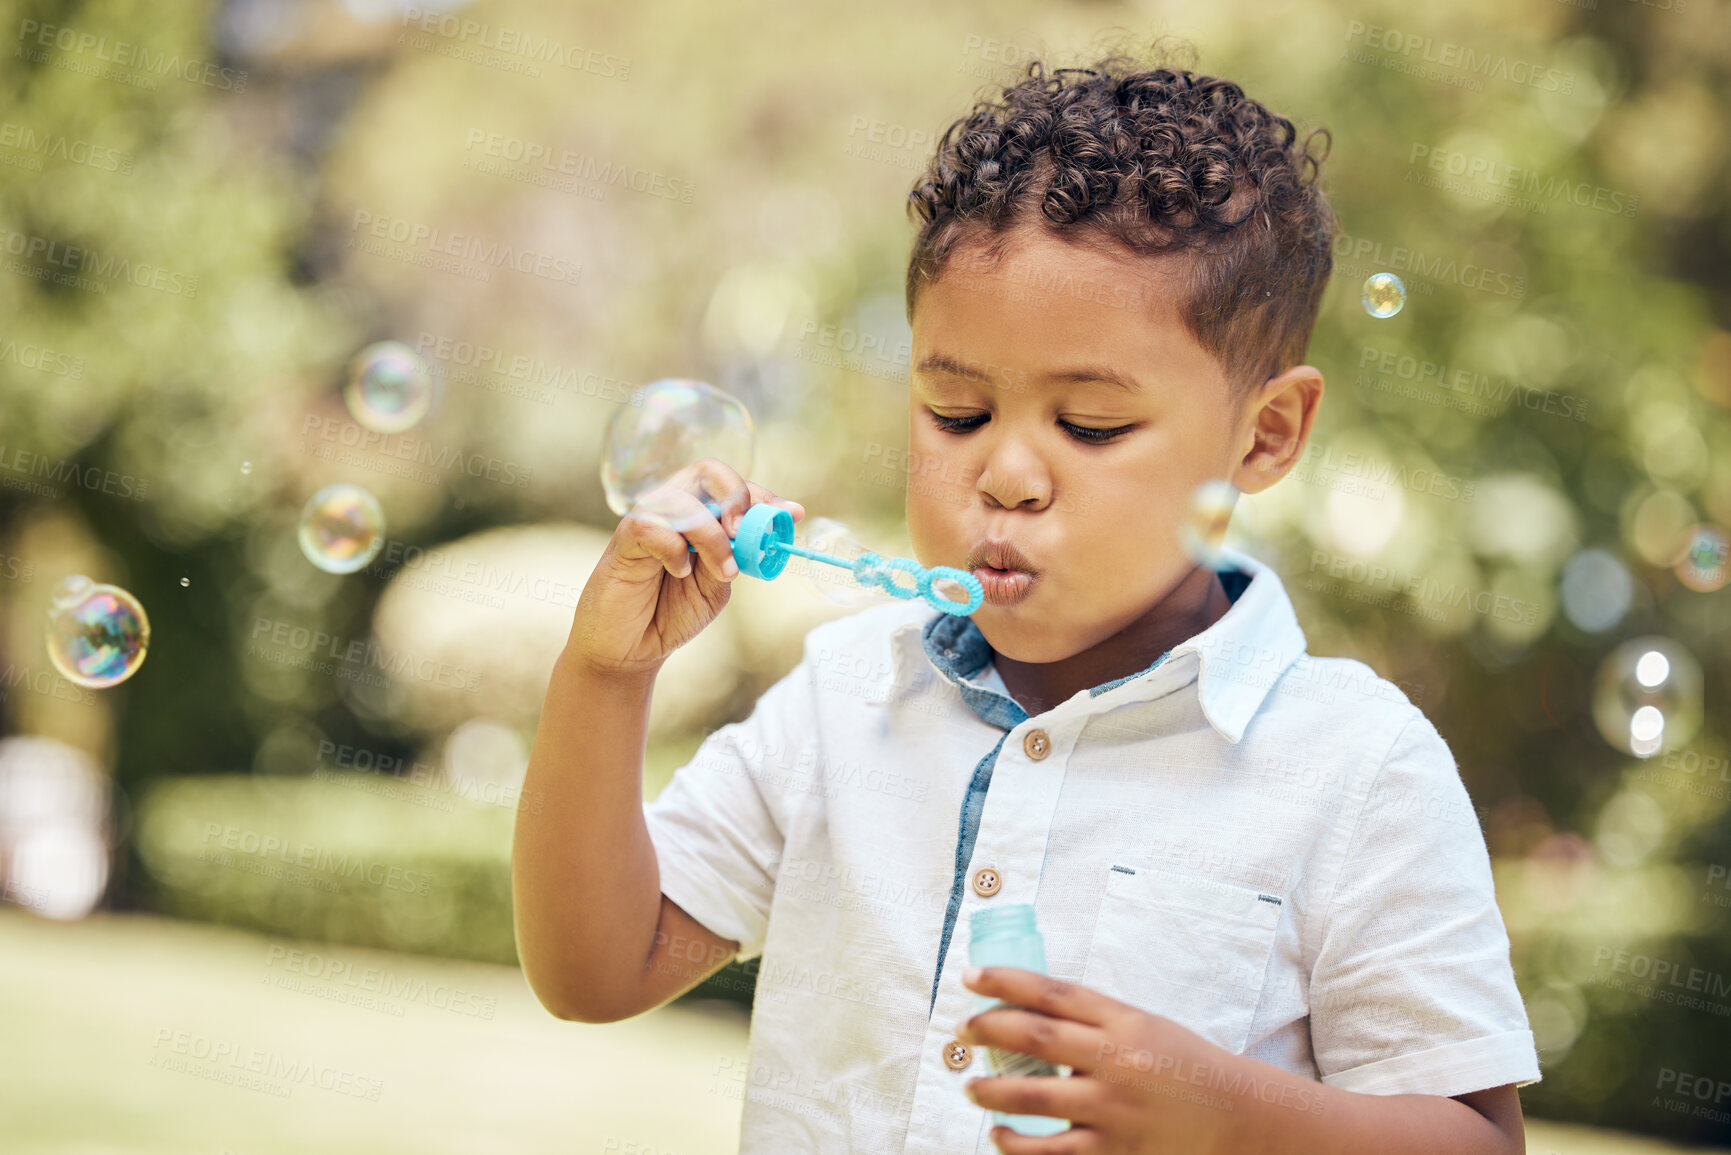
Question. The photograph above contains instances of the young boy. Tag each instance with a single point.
(1266, 904)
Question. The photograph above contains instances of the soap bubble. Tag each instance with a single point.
(1703, 564)
(246, 467)
(1647, 696)
(1204, 530)
(1383, 295)
(678, 422)
(1596, 589)
(342, 528)
(832, 583)
(389, 389)
(97, 634)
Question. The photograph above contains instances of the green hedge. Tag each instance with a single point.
(330, 860)
(347, 857)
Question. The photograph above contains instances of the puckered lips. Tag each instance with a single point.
(1006, 575)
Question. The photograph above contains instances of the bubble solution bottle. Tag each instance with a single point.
(1006, 936)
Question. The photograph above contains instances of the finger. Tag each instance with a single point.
(1072, 1099)
(721, 483)
(698, 526)
(667, 519)
(763, 496)
(1044, 993)
(648, 534)
(1075, 1045)
(712, 479)
(737, 500)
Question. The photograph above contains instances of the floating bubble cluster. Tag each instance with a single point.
(1647, 696)
(1595, 590)
(97, 634)
(1204, 531)
(389, 388)
(679, 421)
(1703, 564)
(1383, 294)
(342, 528)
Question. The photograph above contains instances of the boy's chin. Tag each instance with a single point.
(1016, 637)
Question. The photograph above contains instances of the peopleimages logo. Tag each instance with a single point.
(41, 358)
(450, 458)
(49, 683)
(1446, 54)
(66, 264)
(124, 55)
(584, 167)
(95, 478)
(254, 1068)
(34, 147)
(351, 657)
(313, 857)
(1362, 253)
(331, 971)
(1378, 473)
(1470, 384)
(1539, 187)
(509, 41)
(1427, 593)
(465, 247)
(536, 373)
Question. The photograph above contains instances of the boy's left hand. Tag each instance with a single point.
(1139, 1081)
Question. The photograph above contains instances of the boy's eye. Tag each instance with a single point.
(958, 424)
(1079, 432)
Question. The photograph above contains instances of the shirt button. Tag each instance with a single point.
(1036, 744)
(957, 1054)
(987, 882)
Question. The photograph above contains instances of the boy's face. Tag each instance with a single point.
(1098, 524)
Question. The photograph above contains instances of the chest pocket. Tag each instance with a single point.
(1192, 949)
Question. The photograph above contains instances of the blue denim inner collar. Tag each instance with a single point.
(957, 647)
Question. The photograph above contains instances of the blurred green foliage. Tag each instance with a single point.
(325, 860)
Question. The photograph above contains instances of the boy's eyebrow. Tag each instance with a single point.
(1104, 374)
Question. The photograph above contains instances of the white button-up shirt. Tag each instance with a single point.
(1275, 850)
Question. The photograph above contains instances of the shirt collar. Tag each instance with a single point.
(1236, 660)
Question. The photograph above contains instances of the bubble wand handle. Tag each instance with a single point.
(764, 542)
(797, 551)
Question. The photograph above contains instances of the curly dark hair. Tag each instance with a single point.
(1152, 160)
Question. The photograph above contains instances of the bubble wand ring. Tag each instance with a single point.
(885, 574)
(764, 542)
(961, 577)
(868, 571)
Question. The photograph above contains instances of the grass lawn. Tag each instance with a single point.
(117, 1033)
(84, 1005)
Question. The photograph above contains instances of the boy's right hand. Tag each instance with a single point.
(649, 594)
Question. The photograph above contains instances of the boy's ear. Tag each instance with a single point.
(1276, 424)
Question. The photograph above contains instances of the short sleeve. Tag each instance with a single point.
(716, 825)
(1412, 990)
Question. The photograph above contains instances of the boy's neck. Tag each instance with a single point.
(1192, 606)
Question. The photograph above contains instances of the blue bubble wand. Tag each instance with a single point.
(764, 542)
